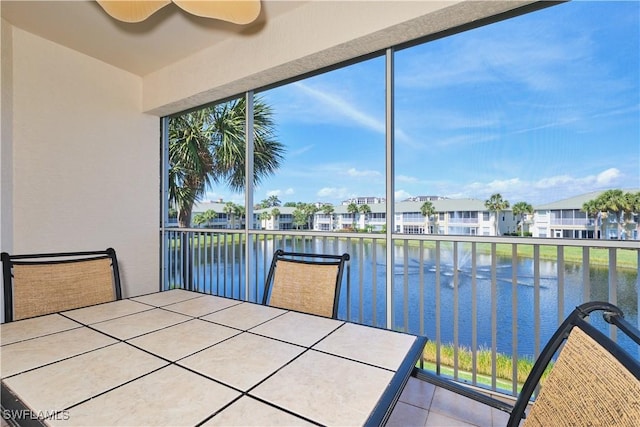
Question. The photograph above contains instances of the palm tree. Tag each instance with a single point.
(519, 209)
(612, 201)
(199, 219)
(496, 204)
(239, 212)
(205, 217)
(328, 209)
(264, 216)
(591, 209)
(230, 209)
(299, 217)
(427, 210)
(190, 161)
(365, 210)
(633, 200)
(207, 146)
(352, 208)
(275, 213)
(273, 201)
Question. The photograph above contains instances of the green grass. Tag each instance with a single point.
(504, 369)
(481, 379)
(626, 258)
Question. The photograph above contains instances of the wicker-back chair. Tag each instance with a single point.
(593, 380)
(305, 282)
(38, 284)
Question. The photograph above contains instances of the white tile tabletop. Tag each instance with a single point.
(183, 358)
(52, 386)
(297, 328)
(160, 299)
(106, 311)
(140, 323)
(201, 306)
(386, 349)
(183, 339)
(315, 382)
(244, 316)
(35, 327)
(33, 353)
(243, 360)
(171, 396)
(249, 412)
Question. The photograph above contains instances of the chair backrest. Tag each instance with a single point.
(305, 282)
(593, 380)
(37, 284)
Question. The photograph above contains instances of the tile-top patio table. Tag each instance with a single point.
(185, 358)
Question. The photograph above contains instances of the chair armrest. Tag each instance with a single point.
(626, 327)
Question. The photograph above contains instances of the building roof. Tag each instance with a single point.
(284, 210)
(205, 206)
(575, 202)
(442, 205)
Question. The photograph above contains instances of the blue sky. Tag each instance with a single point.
(538, 108)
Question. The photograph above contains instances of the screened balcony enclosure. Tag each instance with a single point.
(363, 169)
(395, 124)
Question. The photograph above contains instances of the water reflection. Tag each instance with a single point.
(424, 281)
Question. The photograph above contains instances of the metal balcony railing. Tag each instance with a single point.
(487, 304)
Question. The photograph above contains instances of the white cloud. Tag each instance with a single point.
(332, 192)
(607, 177)
(496, 186)
(401, 195)
(554, 181)
(279, 193)
(362, 173)
(544, 190)
(339, 106)
(407, 179)
(301, 150)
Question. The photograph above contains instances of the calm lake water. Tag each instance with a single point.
(359, 301)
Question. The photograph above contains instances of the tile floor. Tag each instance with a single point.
(423, 404)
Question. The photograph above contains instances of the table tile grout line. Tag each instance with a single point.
(62, 313)
(44, 335)
(236, 305)
(60, 360)
(266, 402)
(100, 393)
(306, 349)
(114, 388)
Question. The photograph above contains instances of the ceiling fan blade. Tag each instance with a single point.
(236, 11)
(132, 10)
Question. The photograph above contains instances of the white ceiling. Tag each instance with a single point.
(167, 36)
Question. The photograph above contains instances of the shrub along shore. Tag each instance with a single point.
(504, 365)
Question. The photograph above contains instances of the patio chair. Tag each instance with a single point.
(593, 380)
(38, 284)
(305, 282)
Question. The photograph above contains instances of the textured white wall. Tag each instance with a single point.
(85, 160)
(6, 137)
(6, 144)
